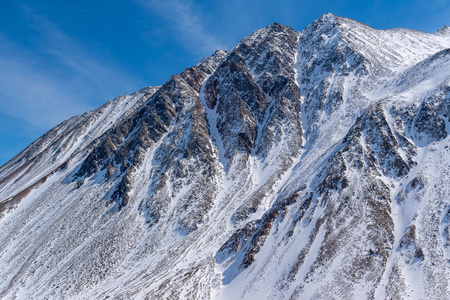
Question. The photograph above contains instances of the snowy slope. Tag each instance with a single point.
(298, 165)
(56, 148)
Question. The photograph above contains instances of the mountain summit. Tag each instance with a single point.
(297, 165)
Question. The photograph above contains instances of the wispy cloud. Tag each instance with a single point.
(59, 78)
(79, 59)
(186, 23)
(27, 93)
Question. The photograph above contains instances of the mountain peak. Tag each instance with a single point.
(276, 26)
(328, 16)
(444, 30)
(211, 62)
(326, 24)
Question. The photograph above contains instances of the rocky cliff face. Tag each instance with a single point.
(297, 165)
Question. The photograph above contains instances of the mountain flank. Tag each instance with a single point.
(307, 164)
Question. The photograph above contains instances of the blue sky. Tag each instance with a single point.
(61, 58)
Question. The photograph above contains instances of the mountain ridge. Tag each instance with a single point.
(304, 164)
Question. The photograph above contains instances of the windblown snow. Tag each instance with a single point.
(297, 165)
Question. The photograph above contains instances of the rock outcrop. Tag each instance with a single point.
(297, 165)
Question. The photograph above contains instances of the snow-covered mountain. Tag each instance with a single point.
(297, 165)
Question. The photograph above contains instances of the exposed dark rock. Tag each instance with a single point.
(299, 165)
